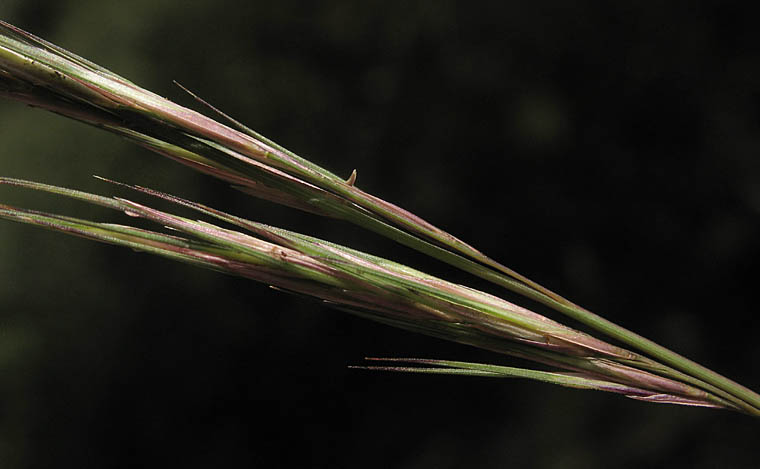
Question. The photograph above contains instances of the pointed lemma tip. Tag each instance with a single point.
(373, 358)
(105, 179)
(352, 178)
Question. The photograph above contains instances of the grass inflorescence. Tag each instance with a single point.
(43, 75)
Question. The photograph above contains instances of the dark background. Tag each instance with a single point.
(606, 149)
